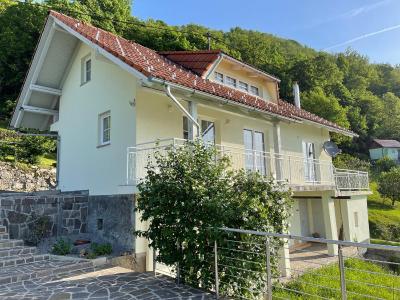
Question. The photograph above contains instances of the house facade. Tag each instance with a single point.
(114, 103)
(385, 148)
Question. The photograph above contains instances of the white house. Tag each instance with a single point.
(110, 100)
(381, 148)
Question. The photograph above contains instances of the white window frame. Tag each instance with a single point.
(216, 74)
(84, 71)
(234, 81)
(102, 117)
(244, 86)
(255, 88)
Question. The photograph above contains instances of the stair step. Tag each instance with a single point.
(22, 259)
(10, 243)
(4, 236)
(49, 269)
(3, 229)
(19, 250)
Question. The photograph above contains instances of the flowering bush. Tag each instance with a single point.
(191, 192)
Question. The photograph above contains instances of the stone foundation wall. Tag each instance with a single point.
(108, 218)
(111, 219)
(67, 212)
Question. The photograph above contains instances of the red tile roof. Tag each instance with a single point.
(197, 61)
(152, 64)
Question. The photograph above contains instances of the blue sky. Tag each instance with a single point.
(372, 27)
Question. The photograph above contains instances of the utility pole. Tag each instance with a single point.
(209, 40)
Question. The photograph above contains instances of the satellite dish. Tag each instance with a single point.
(331, 148)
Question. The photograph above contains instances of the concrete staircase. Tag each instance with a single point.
(19, 263)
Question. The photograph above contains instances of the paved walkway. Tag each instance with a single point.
(111, 283)
(27, 274)
(315, 256)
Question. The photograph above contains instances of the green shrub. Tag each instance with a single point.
(24, 148)
(347, 161)
(101, 249)
(62, 247)
(91, 255)
(384, 164)
(187, 193)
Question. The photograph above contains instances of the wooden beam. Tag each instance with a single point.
(45, 89)
(39, 110)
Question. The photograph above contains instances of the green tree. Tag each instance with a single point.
(389, 184)
(188, 194)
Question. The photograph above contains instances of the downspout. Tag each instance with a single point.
(180, 106)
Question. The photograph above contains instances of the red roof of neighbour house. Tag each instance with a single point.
(152, 64)
(197, 61)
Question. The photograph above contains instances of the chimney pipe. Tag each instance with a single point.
(296, 93)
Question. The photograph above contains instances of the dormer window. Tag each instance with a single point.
(219, 77)
(230, 81)
(243, 86)
(254, 90)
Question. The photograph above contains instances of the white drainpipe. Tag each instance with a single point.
(180, 106)
(296, 93)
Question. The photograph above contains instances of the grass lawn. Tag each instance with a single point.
(382, 214)
(362, 277)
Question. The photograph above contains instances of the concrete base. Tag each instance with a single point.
(135, 262)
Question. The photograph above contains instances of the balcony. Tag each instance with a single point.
(298, 172)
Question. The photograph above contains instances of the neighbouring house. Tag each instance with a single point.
(382, 148)
(113, 103)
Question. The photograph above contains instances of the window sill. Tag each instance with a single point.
(103, 145)
(84, 83)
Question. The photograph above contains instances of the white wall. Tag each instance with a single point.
(356, 204)
(83, 164)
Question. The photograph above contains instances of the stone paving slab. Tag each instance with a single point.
(42, 268)
(111, 283)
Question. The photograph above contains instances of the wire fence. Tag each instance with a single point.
(260, 265)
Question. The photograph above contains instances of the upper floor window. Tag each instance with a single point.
(254, 90)
(105, 128)
(230, 81)
(219, 77)
(86, 69)
(243, 86)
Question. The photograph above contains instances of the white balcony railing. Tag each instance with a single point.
(295, 170)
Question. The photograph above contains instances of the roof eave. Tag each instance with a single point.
(228, 57)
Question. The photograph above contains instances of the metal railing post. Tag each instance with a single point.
(154, 262)
(216, 269)
(127, 166)
(342, 273)
(269, 273)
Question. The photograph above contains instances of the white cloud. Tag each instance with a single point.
(363, 9)
(364, 36)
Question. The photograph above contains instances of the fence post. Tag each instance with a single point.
(342, 273)
(216, 269)
(268, 264)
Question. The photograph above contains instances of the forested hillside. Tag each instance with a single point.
(345, 88)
